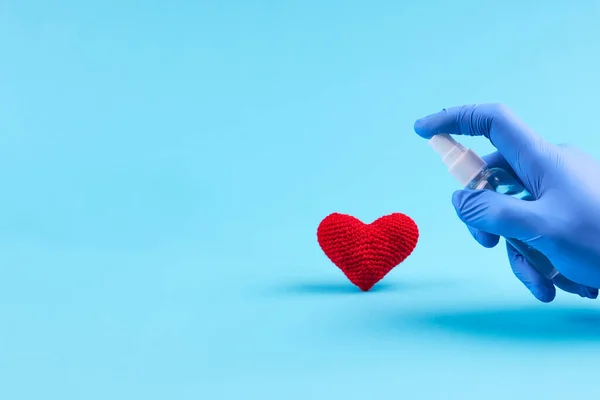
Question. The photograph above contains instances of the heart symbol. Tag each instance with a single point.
(367, 252)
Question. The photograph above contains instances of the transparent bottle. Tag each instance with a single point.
(472, 172)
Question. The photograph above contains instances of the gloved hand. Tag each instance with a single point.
(563, 222)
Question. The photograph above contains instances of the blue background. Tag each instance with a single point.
(165, 165)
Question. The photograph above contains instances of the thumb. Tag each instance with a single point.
(497, 213)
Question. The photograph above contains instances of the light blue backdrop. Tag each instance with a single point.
(165, 165)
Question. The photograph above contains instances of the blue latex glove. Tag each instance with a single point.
(563, 222)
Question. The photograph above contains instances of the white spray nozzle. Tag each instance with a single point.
(463, 164)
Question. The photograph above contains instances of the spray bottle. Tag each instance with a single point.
(472, 172)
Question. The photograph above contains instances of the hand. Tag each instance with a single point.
(563, 222)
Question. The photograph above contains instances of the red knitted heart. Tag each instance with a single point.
(367, 252)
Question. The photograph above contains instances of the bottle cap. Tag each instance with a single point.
(463, 164)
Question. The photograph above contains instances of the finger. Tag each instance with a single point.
(485, 239)
(497, 160)
(542, 288)
(498, 214)
(519, 144)
(569, 286)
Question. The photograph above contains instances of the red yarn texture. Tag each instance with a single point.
(367, 252)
